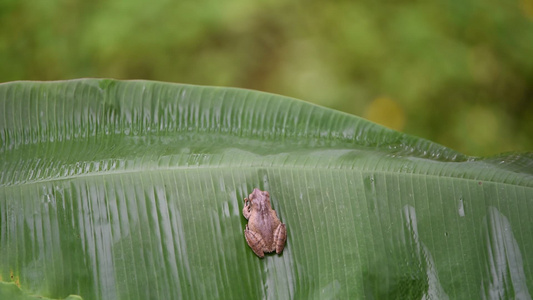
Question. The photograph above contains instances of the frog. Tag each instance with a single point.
(264, 232)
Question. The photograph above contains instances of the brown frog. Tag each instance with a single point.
(264, 232)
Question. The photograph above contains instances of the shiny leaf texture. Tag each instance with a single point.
(134, 190)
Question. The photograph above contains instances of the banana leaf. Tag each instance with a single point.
(134, 190)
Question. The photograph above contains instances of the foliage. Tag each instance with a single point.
(457, 72)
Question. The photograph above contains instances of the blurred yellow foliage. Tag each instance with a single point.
(527, 8)
(387, 112)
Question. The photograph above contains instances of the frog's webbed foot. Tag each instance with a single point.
(280, 236)
(255, 241)
(246, 212)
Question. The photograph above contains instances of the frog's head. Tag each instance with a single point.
(260, 199)
(259, 194)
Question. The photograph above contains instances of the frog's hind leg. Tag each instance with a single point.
(280, 236)
(255, 241)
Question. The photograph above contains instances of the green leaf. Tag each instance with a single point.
(134, 190)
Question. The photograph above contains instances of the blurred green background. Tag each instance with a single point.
(457, 72)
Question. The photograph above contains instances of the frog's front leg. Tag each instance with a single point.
(280, 236)
(246, 211)
(255, 241)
